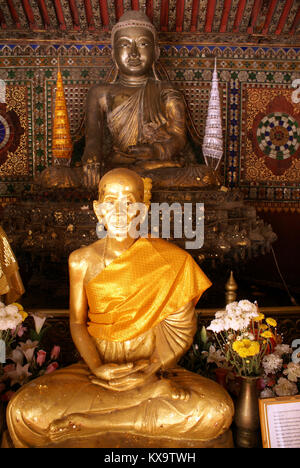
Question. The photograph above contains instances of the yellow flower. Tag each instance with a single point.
(24, 315)
(245, 348)
(270, 321)
(20, 307)
(264, 326)
(21, 310)
(267, 334)
(258, 318)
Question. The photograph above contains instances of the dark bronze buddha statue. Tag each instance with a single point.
(136, 121)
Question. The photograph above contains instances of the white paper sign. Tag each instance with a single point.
(284, 424)
(2, 352)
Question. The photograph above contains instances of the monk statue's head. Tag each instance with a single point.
(120, 206)
(134, 44)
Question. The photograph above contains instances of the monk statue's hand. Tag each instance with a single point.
(91, 173)
(122, 376)
(142, 152)
(111, 371)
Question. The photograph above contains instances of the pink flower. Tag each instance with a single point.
(55, 352)
(52, 367)
(21, 331)
(41, 357)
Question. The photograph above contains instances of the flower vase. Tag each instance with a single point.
(246, 417)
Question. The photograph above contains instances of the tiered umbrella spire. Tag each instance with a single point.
(61, 135)
(213, 139)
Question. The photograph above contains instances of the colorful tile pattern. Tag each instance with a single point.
(244, 72)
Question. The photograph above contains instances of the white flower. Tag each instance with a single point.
(292, 371)
(216, 356)
(17, 356)
(285, 388)
(10, 317)
(272, 363)
(11, 309)
(19, 375)
(28, 349)
(216, 326)
(266, 393)
(38, 322)
(248, 306)
(281, 349)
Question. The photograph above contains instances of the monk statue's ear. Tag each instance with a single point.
(96, 208)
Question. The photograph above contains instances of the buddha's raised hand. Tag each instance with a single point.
(91, 173)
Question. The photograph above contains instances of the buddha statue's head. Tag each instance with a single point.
(120, 206)
(134, 44)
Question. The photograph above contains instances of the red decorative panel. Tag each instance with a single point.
(89, 14)
(60, 14)
(29, 13)
(149, 9)
(211, 5)
(44, 13)
(239, 15)
(119, 8)
(179, 15)
(225, 15)
(255, 11)
(284, 15)
(269, 16)
(164, 15)
(104, 13)
(14, 13)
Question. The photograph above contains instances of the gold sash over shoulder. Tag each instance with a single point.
(142, 287)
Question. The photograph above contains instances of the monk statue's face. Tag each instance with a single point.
(134, 51)
(120, 203)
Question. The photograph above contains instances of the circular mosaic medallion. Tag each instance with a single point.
(278, 135)
(4, 131)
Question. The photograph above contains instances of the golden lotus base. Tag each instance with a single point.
(122, 440)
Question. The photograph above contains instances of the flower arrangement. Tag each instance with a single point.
(25, 359)
(11, 318)
(281, 375)
(244, 337)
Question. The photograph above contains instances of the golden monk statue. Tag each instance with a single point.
(132, 317)
(11, 285)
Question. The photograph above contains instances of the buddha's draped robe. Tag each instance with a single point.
(141, 306)
(11, 284)
(154, 114)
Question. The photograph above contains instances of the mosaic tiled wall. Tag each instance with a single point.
(261, 123)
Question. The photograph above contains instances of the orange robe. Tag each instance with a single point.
(139, 289)
(141, 307)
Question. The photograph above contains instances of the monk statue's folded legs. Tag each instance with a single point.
(182, 406)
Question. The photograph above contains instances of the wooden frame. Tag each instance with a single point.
(280, 422)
